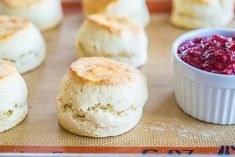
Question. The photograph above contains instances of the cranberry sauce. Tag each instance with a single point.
(214, 54)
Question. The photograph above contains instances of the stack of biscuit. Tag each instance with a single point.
(99, 97)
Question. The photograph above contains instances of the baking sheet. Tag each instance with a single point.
(163, 123)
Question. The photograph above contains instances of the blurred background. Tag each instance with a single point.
(154, 5)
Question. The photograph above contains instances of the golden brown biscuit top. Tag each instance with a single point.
(114, 24)
(103, 71)
(202, 1)
(96, 6)
(19, 3)
(6, 68)
(11, 25)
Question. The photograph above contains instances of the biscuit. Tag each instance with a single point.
(100, 97)
(113, 37)
(132, 9)
(13, 96)
(192, 14)
(21, 43)
(45, 14)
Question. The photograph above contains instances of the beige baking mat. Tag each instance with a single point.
(163, 123)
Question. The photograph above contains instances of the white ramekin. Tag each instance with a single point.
(206, 96)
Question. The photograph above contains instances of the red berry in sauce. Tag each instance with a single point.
(214, 54)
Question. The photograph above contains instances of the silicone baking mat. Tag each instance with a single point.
(164, 127)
